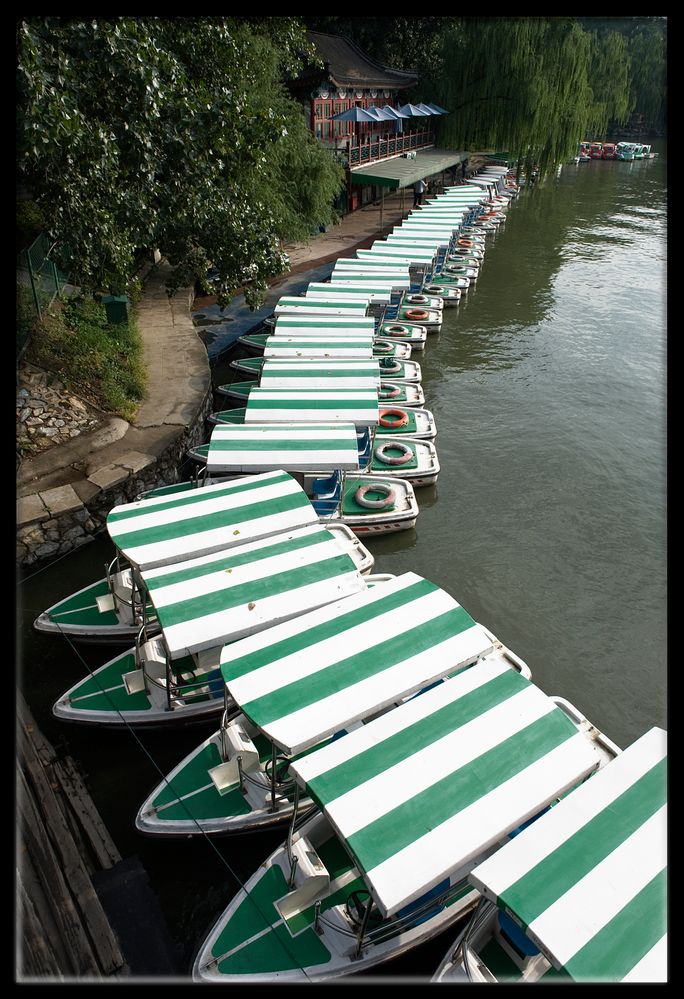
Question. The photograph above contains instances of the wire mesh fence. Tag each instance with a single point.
(40, 278)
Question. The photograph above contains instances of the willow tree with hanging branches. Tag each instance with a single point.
(531, 86)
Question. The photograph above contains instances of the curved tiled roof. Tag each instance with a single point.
(348, 66)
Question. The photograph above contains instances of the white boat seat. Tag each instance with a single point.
(236, 743)
(312, 880)
(134, 682)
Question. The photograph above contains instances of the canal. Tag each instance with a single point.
(548, 521)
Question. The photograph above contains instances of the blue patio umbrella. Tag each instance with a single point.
(426, 108)
(394, 113)
(380, 114)
(412, 111)
(437, 109)
(353, 114)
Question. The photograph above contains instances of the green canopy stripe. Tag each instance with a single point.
(402, 826)
(155, 507)
(305, 635)
(353, 669)
(591, 844)
(204, 523)
(230, 560)
(399, 746)
(227, 597)
(613, 952)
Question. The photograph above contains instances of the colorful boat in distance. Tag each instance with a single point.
(581, 894)
(373, 648)
(609, 152)
(625, 150)
(596, 150)
(201, 605)
(151, 532)
(406, 806)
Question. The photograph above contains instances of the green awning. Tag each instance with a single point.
(401, 172)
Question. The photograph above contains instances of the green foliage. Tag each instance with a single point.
(30, 222)
(102, 362)
(150, 132)
(649, 70)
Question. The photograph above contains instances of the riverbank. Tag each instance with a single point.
(65, 492)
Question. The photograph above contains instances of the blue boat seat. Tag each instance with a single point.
(419, 902)
(326, 487)
(516, 937)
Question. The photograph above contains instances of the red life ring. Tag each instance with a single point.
(401, 421)
(464, 242)
(397, 330)
(418, 299)
(389, 499)
(417, 314)
(389, 366)
(382, 347)
(382, 453)
(388, 390)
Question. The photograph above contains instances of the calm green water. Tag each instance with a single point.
(548, 522)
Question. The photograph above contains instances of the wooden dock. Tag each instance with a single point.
(62, 929)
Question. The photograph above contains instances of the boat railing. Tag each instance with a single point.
(462, 947)
(400, 924)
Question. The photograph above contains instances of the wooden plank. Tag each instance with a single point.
(68, 919)
(80, 801)
(36, 958)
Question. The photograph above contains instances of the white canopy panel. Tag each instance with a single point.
(302, 683)
(359, 406)
(588, 880)
(294, 447)
(421, 792)
(204, 603)
(164, 529)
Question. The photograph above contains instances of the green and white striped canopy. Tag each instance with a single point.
(422, 237)
(376, 290)
(327, 326)
(425, 790)
(588, 880)
(317, 307)
(397, 277)
(302, 682)
(358, 405)
(340, 347)
(164, 529)
(310, 447)
(320, 374)
(383, 249)
(205, 602)
(353, 263)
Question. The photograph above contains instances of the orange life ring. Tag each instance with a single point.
(464, 242)
(417, 314)
(401, 421)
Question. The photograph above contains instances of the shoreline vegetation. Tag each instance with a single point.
(97, 360)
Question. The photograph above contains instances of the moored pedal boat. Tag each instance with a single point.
(406, 806)
(580, 895)
(148, 532)
(238, 778)
(201, 605)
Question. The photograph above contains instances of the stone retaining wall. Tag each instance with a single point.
(59, 518)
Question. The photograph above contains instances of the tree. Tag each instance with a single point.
(532, 86)
(137, 133)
